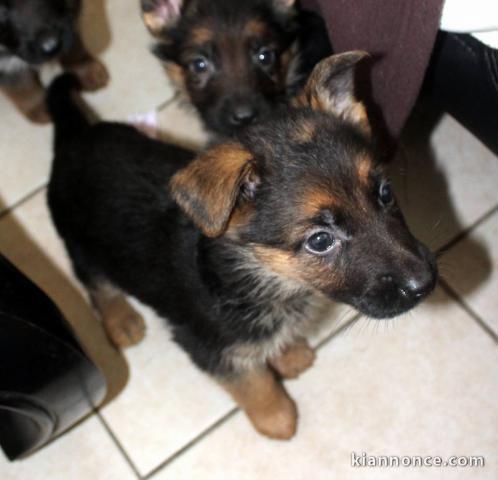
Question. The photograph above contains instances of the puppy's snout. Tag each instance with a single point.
(49, 43)
(243, 114)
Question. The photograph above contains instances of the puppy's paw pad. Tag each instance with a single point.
(92, 74)
(125, 329)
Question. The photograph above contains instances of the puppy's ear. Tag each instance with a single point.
(330, 88)
(208, 188)
(160, 14)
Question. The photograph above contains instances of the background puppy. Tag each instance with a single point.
(233, 60)
(33, 32)
(238, 246)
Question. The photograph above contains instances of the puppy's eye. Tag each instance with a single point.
(199, 65)
(320, 243)
(265, 57)
(386, 196)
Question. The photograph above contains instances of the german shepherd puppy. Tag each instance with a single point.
(235, 61)
(237, 246)
(33, 32)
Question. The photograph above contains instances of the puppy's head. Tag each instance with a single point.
(230, 58)
(37, 30)
(304, 195)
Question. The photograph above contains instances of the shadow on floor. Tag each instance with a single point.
(423, 193)
(25, 253)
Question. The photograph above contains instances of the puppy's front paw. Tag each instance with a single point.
(294, 361)
(38, 114)
(124, 326)
(279, 421)
(92, 74)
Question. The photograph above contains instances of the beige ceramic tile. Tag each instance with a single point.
(427, 385)
(114, 30)
(25, 155)
(85, 452)
(471, 268)
(180, 124)
(447, 184)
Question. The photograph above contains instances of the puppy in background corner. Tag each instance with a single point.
(33, 32)
(235, 61)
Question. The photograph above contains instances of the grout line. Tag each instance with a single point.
(26, 197)
(455, 296)
(193, 442)
(466, 232)
(118, 445)
(344, 327)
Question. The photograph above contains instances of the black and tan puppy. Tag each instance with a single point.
(33, 32)
(237, 246)
(235, 61)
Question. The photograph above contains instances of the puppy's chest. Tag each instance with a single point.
(269, 327)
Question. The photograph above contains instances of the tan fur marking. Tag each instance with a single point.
(176, 74)
(329, 89)
(305, 132)
(315, 200)
(304, 269)
(254, 28)
(201, 35)
(279, 261)
(294, 360)
(266, 403)
(357, 114)
(208, 187)
(153, 22)
(363, 170)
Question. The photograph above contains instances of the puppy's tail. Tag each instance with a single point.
(69, 119)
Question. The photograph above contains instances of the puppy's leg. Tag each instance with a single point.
(123, 325)
(294, 360)
(265, 401)
(28, 95)
(91, 72)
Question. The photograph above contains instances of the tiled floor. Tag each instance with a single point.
(426, 384)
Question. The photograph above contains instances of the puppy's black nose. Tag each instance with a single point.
(49, 43)
(412, 288)
(417, 288)
(243, 115)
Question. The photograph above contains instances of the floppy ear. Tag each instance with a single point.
(208, 188)
(330, 88)
(160, 14)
